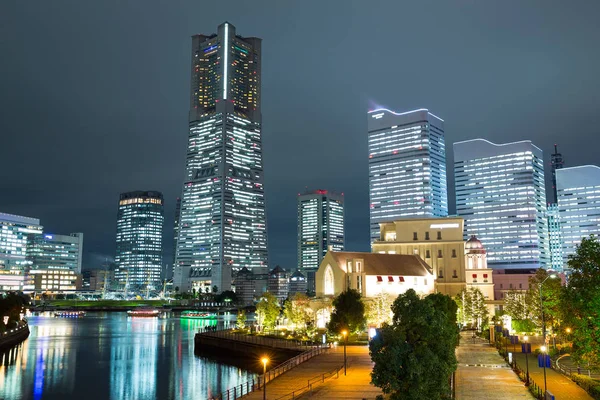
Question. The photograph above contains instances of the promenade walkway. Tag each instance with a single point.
(483, 374)
(355, 385)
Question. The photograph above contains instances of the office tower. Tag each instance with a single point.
(139, 240)
(500, 194)
(223, 225)
(320, 228)
(50, 251)
(555, 238)
(578, 191)
(407, 166)
(16, 236)
(175, 232)
(556, 162)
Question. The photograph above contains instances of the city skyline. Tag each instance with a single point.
(130, 130)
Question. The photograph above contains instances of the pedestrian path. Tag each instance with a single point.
(355, 385)
(483, 374)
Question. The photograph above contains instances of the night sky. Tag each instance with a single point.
(94, 97)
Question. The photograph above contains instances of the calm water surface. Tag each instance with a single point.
(112, 356)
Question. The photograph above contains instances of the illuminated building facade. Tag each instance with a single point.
(139, 240)
(320, 228)
(223, 226)
(16, 236)
(555, 241)
(50, 251)
(500, 193)
(407, 166)
(578, 190)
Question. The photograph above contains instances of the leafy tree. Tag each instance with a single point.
(551, 291)
(581, 301)
(515, 305)
(349, 313)
(215, 289)
(471, 307)
(12, 304)
(240, 322)
(414, 355)
(297, 310)
(267, 310)
(378, 309)
(227, 296)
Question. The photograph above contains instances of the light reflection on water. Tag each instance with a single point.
(112, 356)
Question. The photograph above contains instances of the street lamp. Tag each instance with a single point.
(551, 276)
(264, 360)
(543, 349)
(345, 335)
(525, 339)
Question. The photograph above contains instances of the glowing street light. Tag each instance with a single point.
(525, 339)
(264, 360)
(345, 335)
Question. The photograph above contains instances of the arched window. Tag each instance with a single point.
(328, 281)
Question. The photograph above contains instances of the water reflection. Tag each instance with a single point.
(110, 355)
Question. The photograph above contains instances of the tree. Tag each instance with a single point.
(240, 322)
(414, 355)
(297, 311)
(514, 305)
(471, 307)
(349, 313)
(378, 309)
(551, 291)
(581, 301)
(267, 310)
(227, 296)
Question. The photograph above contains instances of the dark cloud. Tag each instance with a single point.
(94, 96)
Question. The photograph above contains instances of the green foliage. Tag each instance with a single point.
(515, 305)
(240, 322)
(227, 296)
(297, 310)
(551, 291)
(592, 386)
(349, 313)
(414, 356)
(267, 310)
(581, 301)
(378, 310)
(12, 304)
(471, 307)
(523, 325)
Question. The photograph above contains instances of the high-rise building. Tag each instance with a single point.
(16, 236)
(556, 162)
(320, 228)
(578, 205)
(500, 193)
(175, 232)
(139, 240)
(555, 243)
(407, 166)
(50, 251)
(223, 225)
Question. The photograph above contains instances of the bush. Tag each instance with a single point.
(523, 325)
(592, 386)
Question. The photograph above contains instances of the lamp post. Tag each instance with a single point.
(264, 360)
(525, 339)
(551, 276)
(544, 349)
(345, 335)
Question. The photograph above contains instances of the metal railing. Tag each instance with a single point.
(258, 340)
(257, 383)
(311, 382)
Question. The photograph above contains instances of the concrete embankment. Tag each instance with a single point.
(13, 337)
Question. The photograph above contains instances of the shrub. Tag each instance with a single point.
(592, 386)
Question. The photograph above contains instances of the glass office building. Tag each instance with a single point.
(500, 193)
(578, 190)
(50, 251)
(16, 237)
(407, 166)
(222, 225)
(139, 240)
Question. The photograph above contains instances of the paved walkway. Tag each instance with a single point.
(483, 374)
(355, 385)
(559, 385)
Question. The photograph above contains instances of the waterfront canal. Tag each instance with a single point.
(112, 356)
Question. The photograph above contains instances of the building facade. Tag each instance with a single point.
(407, 166)
(53, 280)
(138, 256)
(578, 205)
(298, 283)
(16, 237)
(555, 241)
(223, 226)
(278, 283)
(320, 228)
(500, 193)
(56, 252)
(438, 241)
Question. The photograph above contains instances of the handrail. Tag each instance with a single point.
(255, 384)
(311, 382)
(259, 340)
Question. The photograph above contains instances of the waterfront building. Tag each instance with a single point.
(51, 251)
(373, 274)
(500, 193)
(578, 191)
(175, 232)
(138, 257)
(320, 228)
(298, 283)
(278, 283)
(407, 166)
(16, 236)
(53, 280)
(437, 241)
(223, 225)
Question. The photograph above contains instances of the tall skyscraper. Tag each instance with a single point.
(407, 166)
(578, 205)
(16, 236)
(555, 242)
(139, 240)
(500, 193)
(61, 252)
(320, 227)
(223, 225)
(175, 233)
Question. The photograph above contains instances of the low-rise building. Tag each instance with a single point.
(278, 283)
(298, 283)
(49, 280)
(372, 274)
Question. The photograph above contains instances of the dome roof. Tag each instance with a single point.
(474, 245)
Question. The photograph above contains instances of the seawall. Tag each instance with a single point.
(12, 338)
